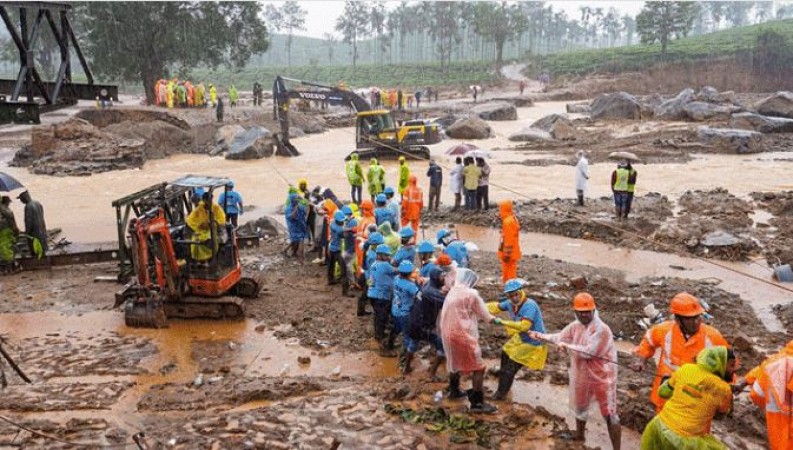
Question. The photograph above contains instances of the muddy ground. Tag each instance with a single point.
(99, 381)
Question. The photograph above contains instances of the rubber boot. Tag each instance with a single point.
(505, 380)
(345, 286)
(454, 386)
(478, 405)
(581, 200)
(362, 305)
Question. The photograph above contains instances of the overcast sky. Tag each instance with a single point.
(322, 14)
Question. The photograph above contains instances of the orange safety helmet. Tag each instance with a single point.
(443, 260)
(686, 305)
(583, 302)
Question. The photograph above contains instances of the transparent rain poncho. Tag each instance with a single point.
(459, 321)
(592, 375)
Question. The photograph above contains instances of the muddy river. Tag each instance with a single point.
(81, 205)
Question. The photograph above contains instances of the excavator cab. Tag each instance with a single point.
(185, 258)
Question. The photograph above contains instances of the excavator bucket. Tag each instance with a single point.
(143, 308)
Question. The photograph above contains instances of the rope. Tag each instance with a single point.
(607, 225)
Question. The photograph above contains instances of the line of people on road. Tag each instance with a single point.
(176, 93)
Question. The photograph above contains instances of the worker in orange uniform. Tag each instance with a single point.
(509, 249)
(362, 234)
(772, 390)
(412, 204)
(679, 339)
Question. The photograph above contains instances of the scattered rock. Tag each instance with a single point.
(708, 94)
(673, 109)
(729, 140)
(304, 359)
(579, 283)
(263, 226)
(578, 108)
(720, 238)
(495, 111)
(530, 134)
(469, 128)
(778, 105)
(760, 123)
(701, 111)
(559, 126)
(618, 105)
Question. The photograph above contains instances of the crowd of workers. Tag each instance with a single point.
(176, 93)
(35, 234)
(397, 99)
(424, 293)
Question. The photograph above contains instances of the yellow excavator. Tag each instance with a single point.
(376, 133)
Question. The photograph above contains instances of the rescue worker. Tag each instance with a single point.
(407, 251)
(367, 220)
(200, 96)
(695, 393)
(680, 340)
(412, 204)
(162, 96)
(459, 327)
(375, 176)
(422, 324)
(231, 201)
(456, 182)
(581, 177)
(9, 233)
(190, 93)
(521, 349)
(370, 256)
(181, 95)
(404, 175)
(509, 248)
(35, 226)
(233, 96)
(334, 248)
(772, 391)
(425, 250)
(455, 248)
(355, 177)
(213, 95)
(471, 175)
(380, 282)
(169, 93)
(392, 239)
(395, 205)
(348, 254)
(632, 175)
(619, 187)
(199, 223)
(295, 213)
(382, 213)
(593, 376)
(435, 174)
(219, 110)
(405, 291)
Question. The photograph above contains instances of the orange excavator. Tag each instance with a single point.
(168, 281)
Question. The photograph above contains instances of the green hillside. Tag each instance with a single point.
(720, 44)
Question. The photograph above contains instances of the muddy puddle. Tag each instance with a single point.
(751, 280)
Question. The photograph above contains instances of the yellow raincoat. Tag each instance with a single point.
(198, 221)
(525, 317)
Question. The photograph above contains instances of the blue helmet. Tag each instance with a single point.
(352, 224)
(426, 247)
(346, 210)
(513, 285)
(376, 239)
(380, 199)
(442, 234)
(388, 191)
(405, 267)
(339, 216)
(230, 184)
(406, 233)
(383, 249)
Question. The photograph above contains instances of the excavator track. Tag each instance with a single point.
(222, 308)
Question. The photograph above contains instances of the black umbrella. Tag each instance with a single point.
(9, 183)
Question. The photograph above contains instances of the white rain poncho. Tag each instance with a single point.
(581, 172)
(459, 321)
(591, 377)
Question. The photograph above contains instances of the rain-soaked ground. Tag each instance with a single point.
(302, 371)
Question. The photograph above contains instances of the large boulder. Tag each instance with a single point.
(701, 111)
(708, 94)
(224, 136)
(469, 128)
(730, 140)
(617, 105)
(559, 126)
(496, 111)
(254, 143)
(673, 109)
(309, 123)
(529, 135)
(778, 105)
(577, 108)
(763, 124)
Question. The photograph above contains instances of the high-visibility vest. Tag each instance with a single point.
(621, 183)
(772, 389)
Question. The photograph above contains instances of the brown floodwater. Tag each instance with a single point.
(81, 205)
